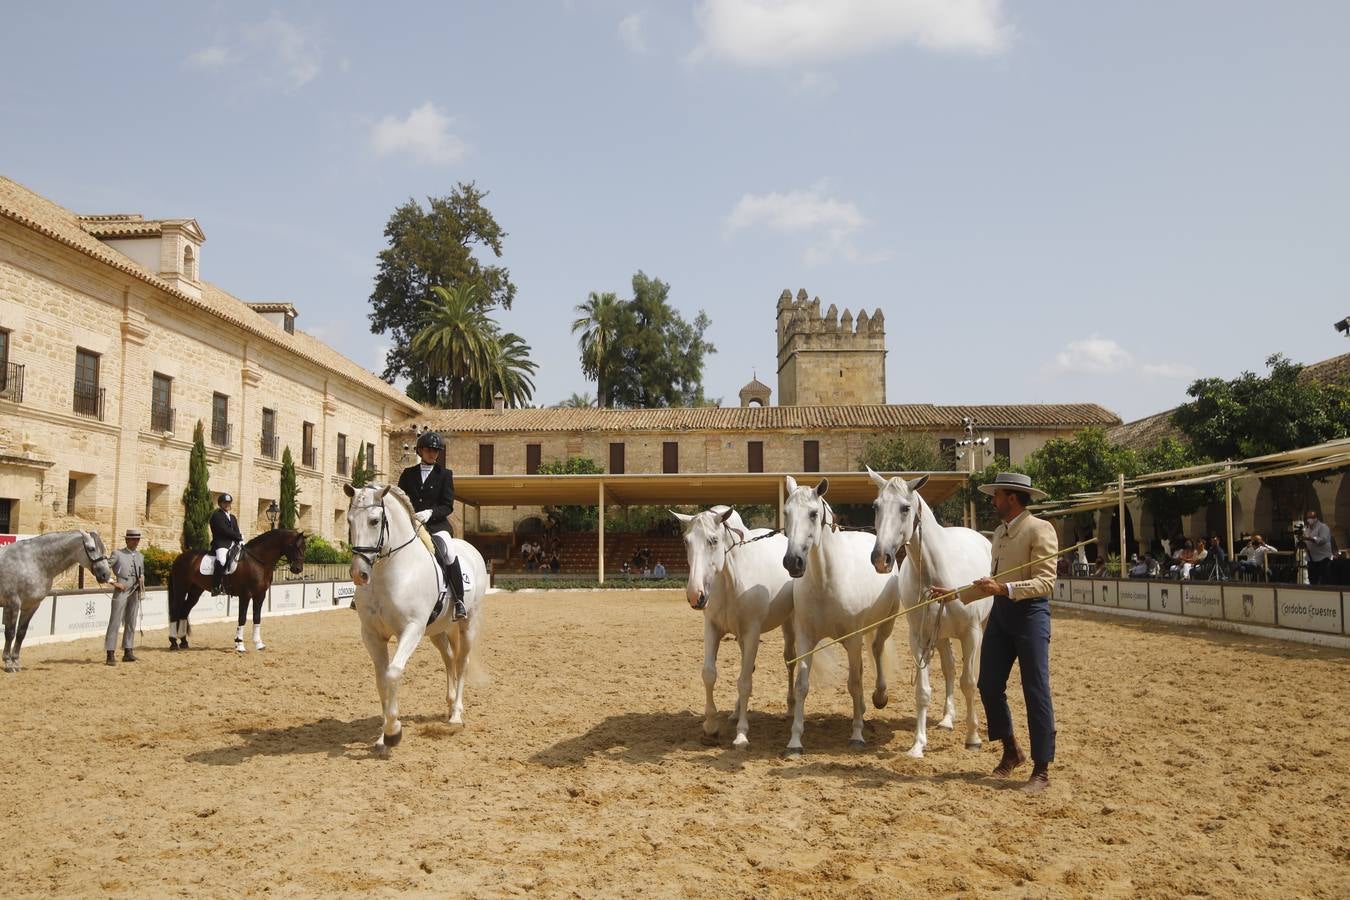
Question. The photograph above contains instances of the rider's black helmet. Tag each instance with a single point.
(430, 439)
(224, 498)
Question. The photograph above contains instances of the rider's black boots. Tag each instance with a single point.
(454, 579)
(217, 580)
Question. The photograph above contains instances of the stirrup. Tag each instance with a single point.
(458, 612)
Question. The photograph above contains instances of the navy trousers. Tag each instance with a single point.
(1019, 632)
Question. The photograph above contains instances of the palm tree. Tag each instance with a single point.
(453, 343)
(506, 367)
(577, 401)
(599, 327)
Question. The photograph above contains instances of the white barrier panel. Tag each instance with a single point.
(1080, 592)
(1062, 590)
(1104, 593)
(1132, 595)
(286, 597)
(1165, 596)
(319, 596)
(82, 614)
(209, 608)
(343, 592)
(154, 609)
(1310, 610)
(1204, 600)
(1245, 602)
(41, 624)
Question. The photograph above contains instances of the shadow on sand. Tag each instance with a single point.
(332, 737)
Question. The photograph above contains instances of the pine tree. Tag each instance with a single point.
(289, 491)
(197, 496)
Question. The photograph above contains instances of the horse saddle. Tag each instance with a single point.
(208, 563)
(441, 590)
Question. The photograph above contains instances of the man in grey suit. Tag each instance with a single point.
(128, 567)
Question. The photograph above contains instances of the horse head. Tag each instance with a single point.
(97, 557)
(898, 506)
(805, 515)
(707, 537)
(294, 551)
(367, 528)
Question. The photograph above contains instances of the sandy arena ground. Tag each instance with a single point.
(1191, 763)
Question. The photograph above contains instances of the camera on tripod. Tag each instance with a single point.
(1298, 530)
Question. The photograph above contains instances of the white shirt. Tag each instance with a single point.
(426, 470)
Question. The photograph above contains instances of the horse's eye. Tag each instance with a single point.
(712, 542)
(813, 515)
(905, 509)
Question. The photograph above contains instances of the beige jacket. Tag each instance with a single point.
(1023, 539)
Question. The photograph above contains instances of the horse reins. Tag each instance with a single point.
(378, 550)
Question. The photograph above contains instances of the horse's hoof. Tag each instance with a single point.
(391, 740)
(708, 740)
(239, 647)
(455, 727)
(856, 744)
(792, 751)
(914, 752)
(260, 647)
(879, 701)
(741, 743)
(973, 745)
(946, 726)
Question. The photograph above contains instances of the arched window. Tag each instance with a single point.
(189, 264)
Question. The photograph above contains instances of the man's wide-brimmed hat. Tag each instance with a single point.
(133, 533)
(1012, 481)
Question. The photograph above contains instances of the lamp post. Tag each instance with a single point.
(966, 450)
(272, 513)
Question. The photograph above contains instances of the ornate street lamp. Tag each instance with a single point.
(272, 512)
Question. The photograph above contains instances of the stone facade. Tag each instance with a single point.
(119, 461)
(826, 360)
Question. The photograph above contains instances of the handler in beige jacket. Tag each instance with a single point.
(1019, 626)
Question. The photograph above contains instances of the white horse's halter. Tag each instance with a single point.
(378, 550)
(90, 548)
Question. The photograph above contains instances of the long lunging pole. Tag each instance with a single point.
(937, 599)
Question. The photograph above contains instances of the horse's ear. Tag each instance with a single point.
(681, 516)
(918, 482)
(722, 519)
(880, 481)
(385, 490)
(822, 487)
(349, 490)
(791, 483)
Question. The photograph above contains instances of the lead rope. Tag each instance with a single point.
(928, 644)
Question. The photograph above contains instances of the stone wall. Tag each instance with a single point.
(829, 359)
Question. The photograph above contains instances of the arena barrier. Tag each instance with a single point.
(76, 614)
(1314, 615)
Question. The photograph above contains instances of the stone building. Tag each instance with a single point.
(113, 347)
(829, 360)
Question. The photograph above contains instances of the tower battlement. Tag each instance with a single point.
(831, 358)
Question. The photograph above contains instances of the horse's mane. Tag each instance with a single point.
(397, 493)
(253, 540)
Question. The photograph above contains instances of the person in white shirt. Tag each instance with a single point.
(1317, 539)
(1252, 558)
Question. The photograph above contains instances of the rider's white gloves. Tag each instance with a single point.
(423, 515)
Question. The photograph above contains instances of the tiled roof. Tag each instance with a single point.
(922, 416)
(1144, 433)
(1329, 371)
(275, 306)
(34, 211)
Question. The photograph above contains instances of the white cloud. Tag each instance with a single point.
(793, 32)
(830, 223)
(424, 135)
(1096, 355)
(273, 51)
(630, 32)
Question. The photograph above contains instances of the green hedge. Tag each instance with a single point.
(317, 550)
(558, 582)
(158, 561)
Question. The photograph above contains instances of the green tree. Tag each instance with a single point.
(360, 475)
(289, 492)
(577, 401)
(906, 452)
(506, 368)
(600, 324)
(433, 246)
(1082, 463)
(197, 496)
(573, 518)
(453, 343)
(660, 355)
(1168, 505)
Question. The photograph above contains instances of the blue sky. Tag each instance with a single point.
(1051, 202)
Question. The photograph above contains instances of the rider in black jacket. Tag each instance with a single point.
(431, 488)
(224, 535)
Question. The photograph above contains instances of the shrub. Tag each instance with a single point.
(317, 551)
(158, 561)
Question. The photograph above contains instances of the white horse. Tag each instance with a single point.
(933, 555)
(736, 577)
(396, 590)
(834, 592)
(27, 569)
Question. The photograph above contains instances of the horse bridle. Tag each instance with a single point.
(371, 555)
(90, 548)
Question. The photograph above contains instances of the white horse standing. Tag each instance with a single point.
(27, 569)
(834, 592)
(396, 590)
(934, 555)
(736, 577)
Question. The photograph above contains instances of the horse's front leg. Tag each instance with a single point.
(452, 687)
(24, 618)
(923, 691)
(406, 643)
(970, 677)
(855, 690)
(712, 639)
(749, 642)
(880, 695)
(789, 653)
(11, 616)
(804, 640)
(378, 648)
(462, 646)
(949, 680)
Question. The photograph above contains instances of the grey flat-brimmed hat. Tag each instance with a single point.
(1012, 481)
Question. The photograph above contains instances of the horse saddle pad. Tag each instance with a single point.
(208, 563)
(440, 580)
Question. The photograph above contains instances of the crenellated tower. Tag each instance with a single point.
(829, 360)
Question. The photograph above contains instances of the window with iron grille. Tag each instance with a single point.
(370, 457)
(72, 488)
(810, 456)
(86, 383)
(485, 453)
(220, 420)
(269, 433)
(342, 454)
(533, 452)
(616, 458)
(670, 457)
(754, 453)
(308, 456)
(161, 403)
(6, 516)
(1003, 448)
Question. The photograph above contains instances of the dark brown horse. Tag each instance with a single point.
(249, 581)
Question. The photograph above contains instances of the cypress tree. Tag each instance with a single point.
(197, 496)
(360, 477)
(289, 491)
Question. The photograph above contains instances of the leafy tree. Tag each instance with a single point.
(1168, 505)
(197, 496)
(577, 401)
(657, 357)
(600, 324)
(454, 341)
(361, 476)
(433, 246)
(506, 367)
(1083, 463)
(1254, 416)
(289, 491)
(573, 518)
(906, 452)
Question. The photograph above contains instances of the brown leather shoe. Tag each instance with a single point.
(1012, 759)
(1038, 782)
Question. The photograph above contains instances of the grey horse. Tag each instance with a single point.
(27, 569)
